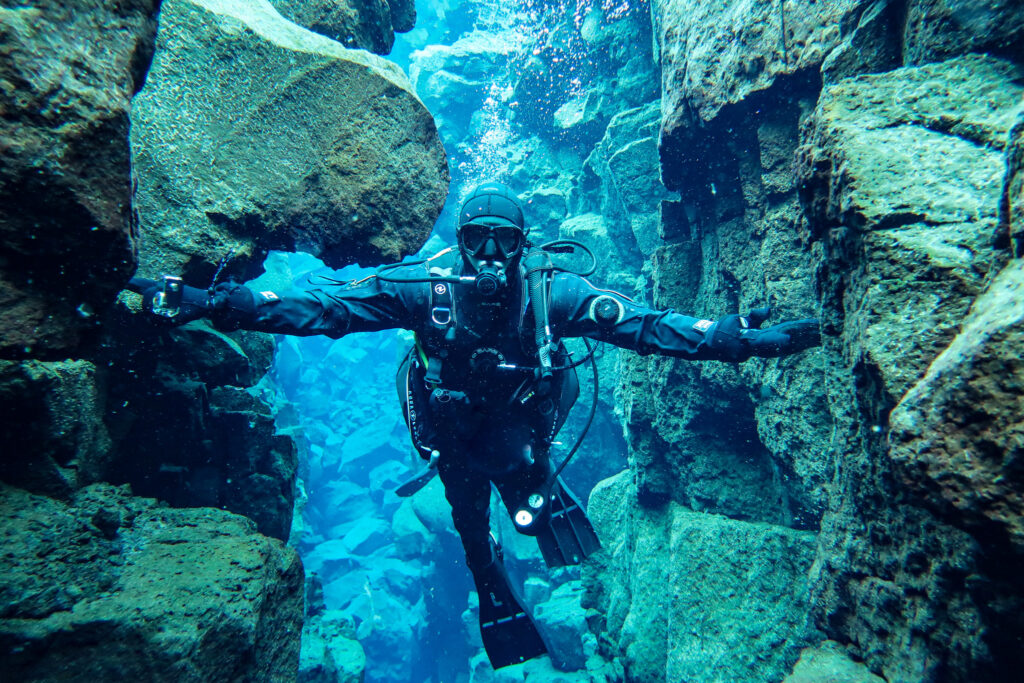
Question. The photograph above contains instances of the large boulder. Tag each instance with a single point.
(729, 592)
(255, 134)
(67, 233)
(112, 587)
(367, 24)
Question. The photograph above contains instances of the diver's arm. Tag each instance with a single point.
(373, 306)
(579, 309)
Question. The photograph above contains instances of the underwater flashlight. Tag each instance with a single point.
(524, 518)
(527, 514)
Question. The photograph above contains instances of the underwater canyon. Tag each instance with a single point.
(198, 504)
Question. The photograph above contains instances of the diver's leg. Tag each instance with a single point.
(469, 494)
(506, 628)
(567, 537)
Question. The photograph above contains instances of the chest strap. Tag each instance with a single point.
(442, 325)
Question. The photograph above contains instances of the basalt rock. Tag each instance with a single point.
(53, 437)
(1011, 207)
(939, 29)
(730, 592)
(925, 209)
(255, 134)
(957, 437)
(68, 71)
(113, 587)
(716, 54)
(190, 432)
(367, 24)
(901, 175)
(454, 80)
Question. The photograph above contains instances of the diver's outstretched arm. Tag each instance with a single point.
(578, 309)
(374, 306)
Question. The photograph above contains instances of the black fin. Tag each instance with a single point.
(570, 537)
(416, 483)
(508, 631)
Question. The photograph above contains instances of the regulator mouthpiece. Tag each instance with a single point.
(490, 280)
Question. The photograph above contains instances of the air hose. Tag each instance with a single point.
(538, 264)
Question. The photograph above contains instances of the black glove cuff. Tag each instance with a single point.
(233, 306)
(726, 338)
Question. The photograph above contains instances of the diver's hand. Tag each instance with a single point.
(739, 337)
(163, 305)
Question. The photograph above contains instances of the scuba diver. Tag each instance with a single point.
(489, 382)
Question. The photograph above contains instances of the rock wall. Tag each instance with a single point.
(906, 202)
(857, 162)
(100, 583)
(67, 232)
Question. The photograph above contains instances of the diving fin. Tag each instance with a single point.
(569, 537)
(420, 480)
(416, 483)
(506, 627)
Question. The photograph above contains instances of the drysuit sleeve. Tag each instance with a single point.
(374, 305)
(579, 309)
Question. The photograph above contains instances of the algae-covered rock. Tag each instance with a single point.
(366, 24)
(958, 433)
(53, 437)
(68, 71)
(714, 54)
(111, 587)
(255, 134)
(940, 29)
(911, 163)
(674, 590)
(901, 175)
(828, 662)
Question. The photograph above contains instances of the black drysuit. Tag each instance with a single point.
(481, 411)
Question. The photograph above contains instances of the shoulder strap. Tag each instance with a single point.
(441, 320)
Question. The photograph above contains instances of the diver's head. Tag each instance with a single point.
(492, 236)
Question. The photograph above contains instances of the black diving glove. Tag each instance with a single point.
(171, 301)
(739, 337)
